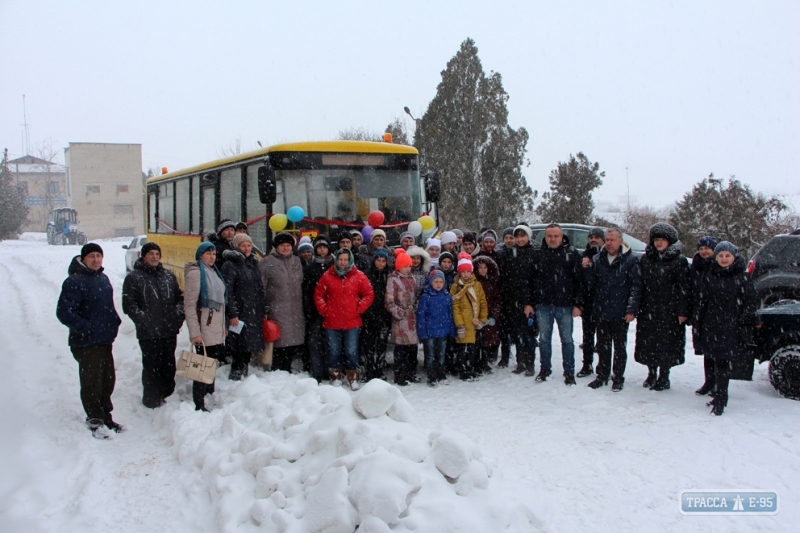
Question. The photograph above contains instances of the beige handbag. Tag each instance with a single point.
(196, 367)
(264, 357)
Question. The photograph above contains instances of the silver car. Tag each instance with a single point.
(134, 251)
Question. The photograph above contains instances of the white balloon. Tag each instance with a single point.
(415, 228)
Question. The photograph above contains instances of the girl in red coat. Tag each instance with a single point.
(341, 297)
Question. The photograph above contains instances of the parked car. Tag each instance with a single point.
(777, 340)
(134, 251)
(578, 235)
(776, 270)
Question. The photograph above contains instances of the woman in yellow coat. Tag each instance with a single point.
(470, 312)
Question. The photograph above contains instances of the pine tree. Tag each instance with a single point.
(464, 136)
(13, 210)
(398, 131)
(733, 213)
(570, 196)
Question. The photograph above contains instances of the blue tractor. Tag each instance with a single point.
(62, 227)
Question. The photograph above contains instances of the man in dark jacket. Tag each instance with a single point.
(222, 240)
(153, 300)
(515, 267)
(86, 307)
(557, 294)
(589, 322)
(315, 336)
(613, 277)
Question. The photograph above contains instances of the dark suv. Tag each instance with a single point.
(776, 270)
(777, 340)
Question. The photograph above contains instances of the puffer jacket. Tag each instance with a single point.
(282, 278)
(726, 312)
(400, 290)
(616, 288)
(341, 300)
(666, 290)
(558, 276)
(153, 300)
(469, 301)
(421, 273)
(490, 284)
(213, 330)
(86, 306)
(435, 314)
(245, 300)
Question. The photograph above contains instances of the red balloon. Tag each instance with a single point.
(271, 331)
(375, 219)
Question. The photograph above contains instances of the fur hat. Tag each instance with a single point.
(464, 262)
(726, 246)
(150, 246)
(90, 248)
(448, 237)
(282, 238)
(402, 260)
(239, 238)
(662, 230)
(707, 241)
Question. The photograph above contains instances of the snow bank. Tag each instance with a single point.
(281, 453)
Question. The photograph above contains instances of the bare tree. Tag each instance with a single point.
(359, 134)
(638, 219)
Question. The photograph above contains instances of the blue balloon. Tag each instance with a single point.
(295, 214)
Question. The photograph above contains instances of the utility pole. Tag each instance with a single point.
(25, 125)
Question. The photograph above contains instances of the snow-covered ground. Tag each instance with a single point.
(279, 453)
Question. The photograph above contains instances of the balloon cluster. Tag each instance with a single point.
(416, 227)
(294, 214)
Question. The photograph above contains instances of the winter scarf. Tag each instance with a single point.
(213, 292)
(350, 261)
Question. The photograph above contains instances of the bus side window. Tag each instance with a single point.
(182, 205)
(151, 212)
(209, 198)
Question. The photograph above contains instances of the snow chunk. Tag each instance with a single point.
(327, 508)
(452, 453)
(267, 481)
(381, 483)
(401, 411)
(474, 476)
(375, 398)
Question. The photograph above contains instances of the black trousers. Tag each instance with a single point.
(373, 342)
(589, 330)
(199, 390)
(722, 377)
(97, 377)
(467, 359)
(158, 370)
(608, 332)
(282, 357)
(709, 367)
(405, 362)
(317, 349)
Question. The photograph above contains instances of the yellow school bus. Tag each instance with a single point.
(336, 183)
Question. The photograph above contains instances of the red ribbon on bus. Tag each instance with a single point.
(332, 222)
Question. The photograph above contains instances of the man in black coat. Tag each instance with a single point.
(557, 294)
(597, 237)
(613, 277)
(86, 307)
(153, 300)
(222, 240)
(315, 336)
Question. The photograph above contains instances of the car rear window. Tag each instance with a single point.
(142, 241)
(780, 251)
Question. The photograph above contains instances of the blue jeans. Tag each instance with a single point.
(343, 338)
(545, 315)
(434, 349)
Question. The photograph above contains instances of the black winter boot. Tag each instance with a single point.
(616, 384)
(662, 383)
(522, 364)
(586, 370)
(652, 375)
(598, 382)
(543, 375)
(569, 379)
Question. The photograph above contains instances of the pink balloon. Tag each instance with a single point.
(366, 232)
(376, 218)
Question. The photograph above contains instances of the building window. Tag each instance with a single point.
(123, 232)
(122, 189)
(55, 187)
(92, 188)
(123, 210)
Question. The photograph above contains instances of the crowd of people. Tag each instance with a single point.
(466, 297)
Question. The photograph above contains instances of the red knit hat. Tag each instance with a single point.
(464, 262)
(401, 260)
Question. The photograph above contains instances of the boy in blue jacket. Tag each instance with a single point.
(434, 325)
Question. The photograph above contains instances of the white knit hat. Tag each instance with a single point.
(434, 242)
(449, 237)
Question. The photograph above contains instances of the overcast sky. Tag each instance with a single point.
(670, 90)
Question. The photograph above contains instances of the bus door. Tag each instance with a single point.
(209, 203)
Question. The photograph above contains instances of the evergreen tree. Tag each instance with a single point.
(730, 213)
(398, 131)
(464, 136)
(570, 197)
(13, 210)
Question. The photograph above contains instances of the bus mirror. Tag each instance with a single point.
(432, 187)
(267, 186)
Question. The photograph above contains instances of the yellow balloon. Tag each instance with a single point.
(278, 222)
(427, 222)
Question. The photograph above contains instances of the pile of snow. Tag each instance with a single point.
(284, 453)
